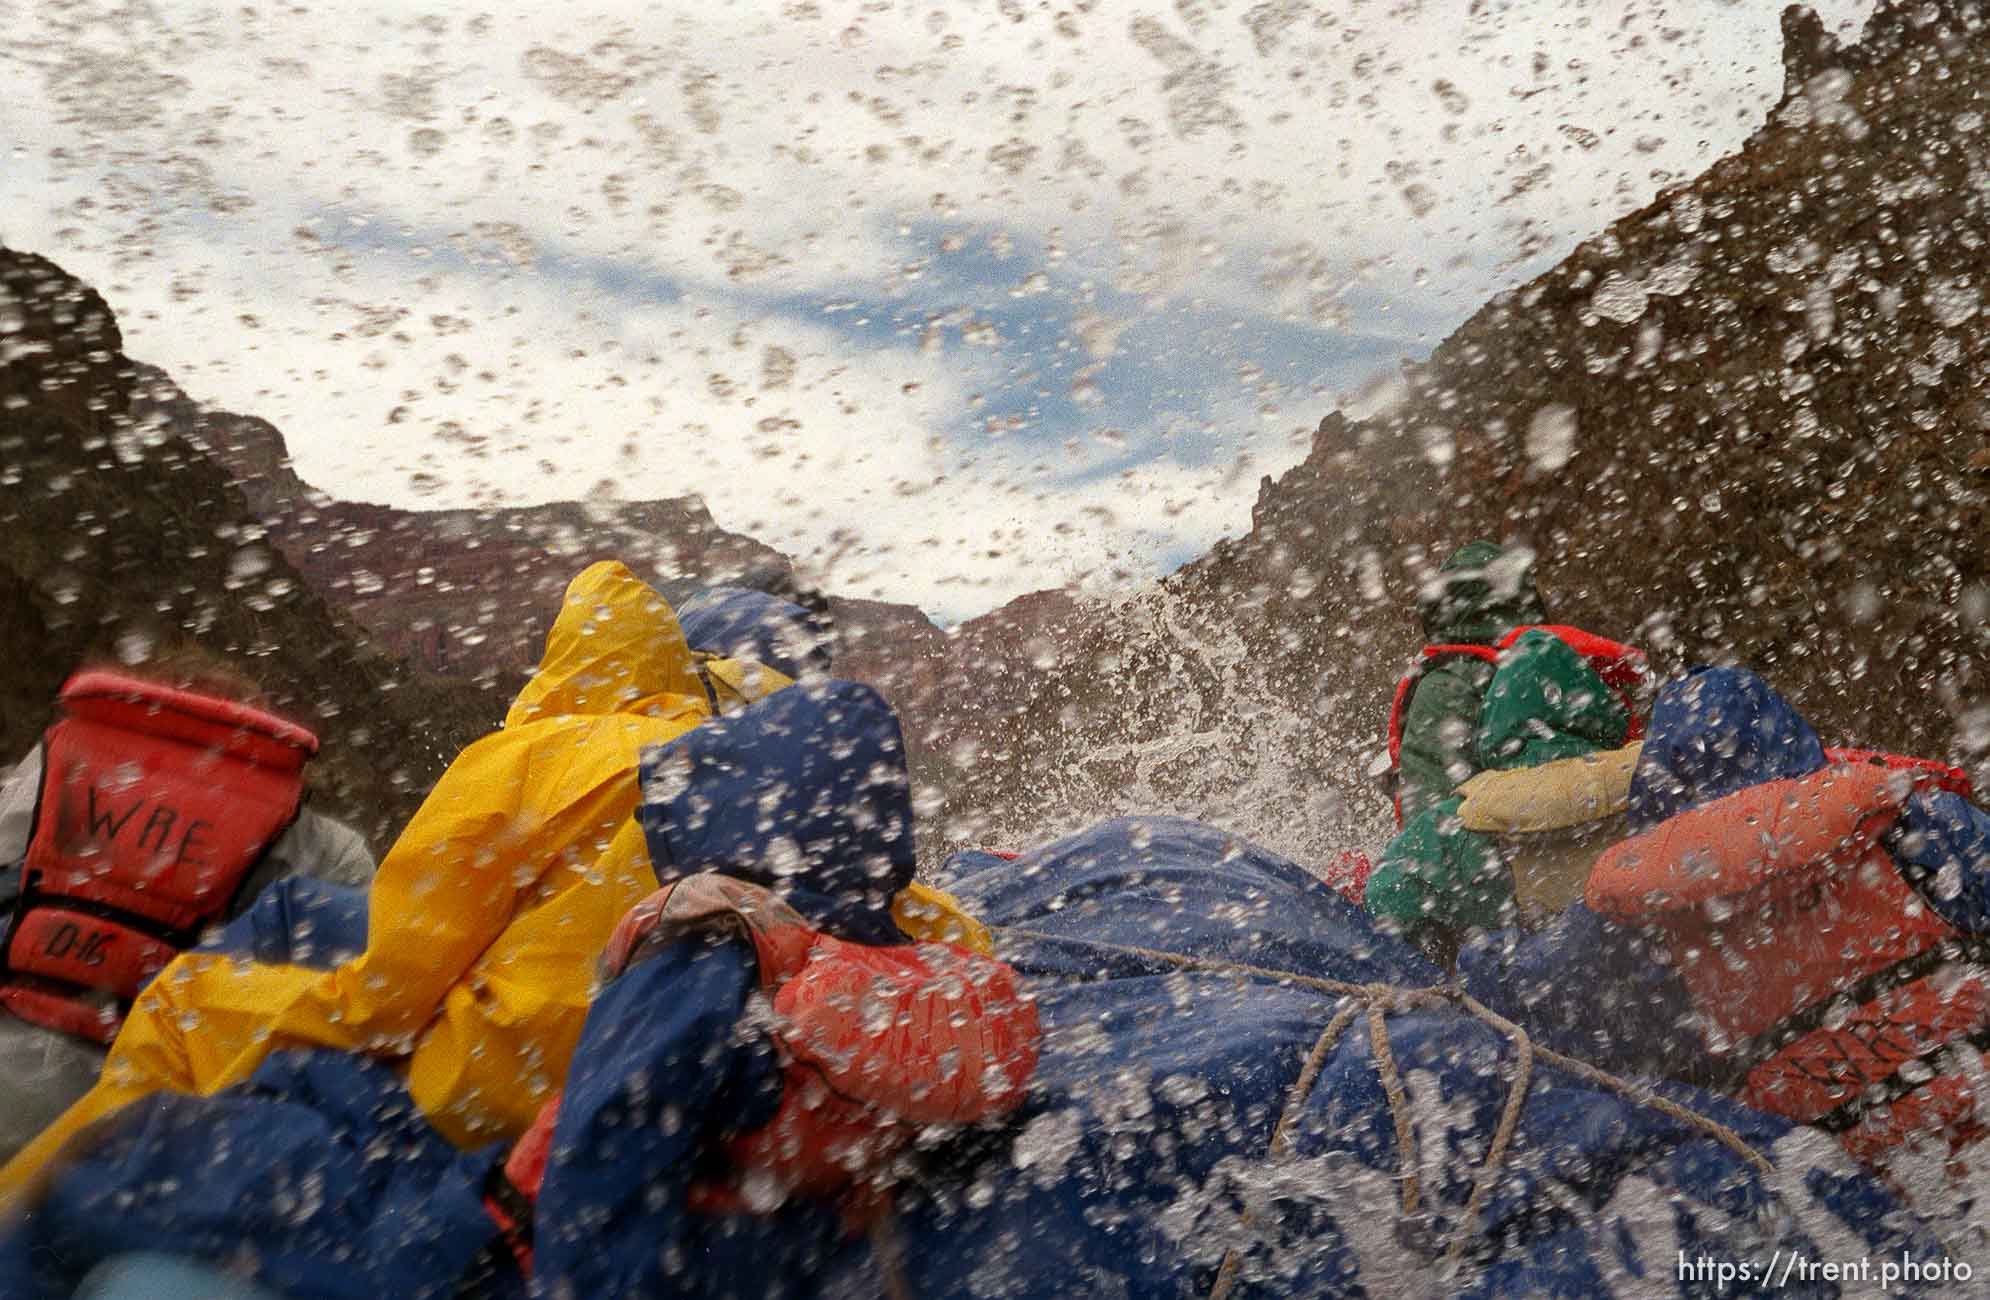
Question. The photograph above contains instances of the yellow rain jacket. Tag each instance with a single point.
(487, 915)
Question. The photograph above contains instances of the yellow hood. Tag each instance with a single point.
(614, 648)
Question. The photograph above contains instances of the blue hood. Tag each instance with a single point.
(805, 792)
(1717, 731)
(744, 624)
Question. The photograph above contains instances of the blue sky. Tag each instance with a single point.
(948, 302)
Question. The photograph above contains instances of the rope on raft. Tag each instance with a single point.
(1377, 1000)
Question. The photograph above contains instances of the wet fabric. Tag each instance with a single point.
(842, 741)
(1437, 873)
(1440, 729)
(1942, 842)
(1156, 1096)
(1128, 1173)
(1712, 733)
(1608, 992)
(1588, 982)
(661, 1042)
(665, 1069)
(484, 918)
(320, 1166)
(1159, 1088)
(830, 761)
(297, 922)
(1841, 996)
(1545, 702)
(740, 623)
(1597, 990)
(1554, 796)
(314, 845)
(42, 1071)
(1479, 594)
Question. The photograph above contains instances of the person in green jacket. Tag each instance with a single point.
(1450, 872)
(1509, 695)
(1480, 594)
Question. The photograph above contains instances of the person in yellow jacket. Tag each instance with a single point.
(486, 917)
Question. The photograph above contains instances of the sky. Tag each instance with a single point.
(948, 301)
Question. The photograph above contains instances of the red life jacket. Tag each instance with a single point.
(1814, 966)
(875, 1043)
(1621, 667)
(155, 804)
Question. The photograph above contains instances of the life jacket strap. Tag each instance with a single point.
(1899, 1085)
(1969, 950)
(86, 943)
(63, 1010)
(509, 1250)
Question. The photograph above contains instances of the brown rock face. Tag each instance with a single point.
(1808, 48)
(1744, 424)
(122, 537)
(462, 593)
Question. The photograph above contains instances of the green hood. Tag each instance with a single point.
(1479, 595)
(1545, 702)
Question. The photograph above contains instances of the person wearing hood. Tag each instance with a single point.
(1828, 914)
(764, 1037)
(486, 916)
(1482, 599)
(1550, 747)
(174, 803)
(765, 618)
(1804, 927)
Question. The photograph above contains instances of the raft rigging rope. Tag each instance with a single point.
(1377, 1000)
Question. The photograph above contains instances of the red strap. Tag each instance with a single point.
(511, 1195)
(514, 1229)
(61, 1012)
(525, 1167)
(1952, 779)
(1587, 644)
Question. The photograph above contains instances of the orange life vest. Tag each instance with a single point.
(155, 803)
(875, 1044)
(1815, 967)
(1621, 667)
